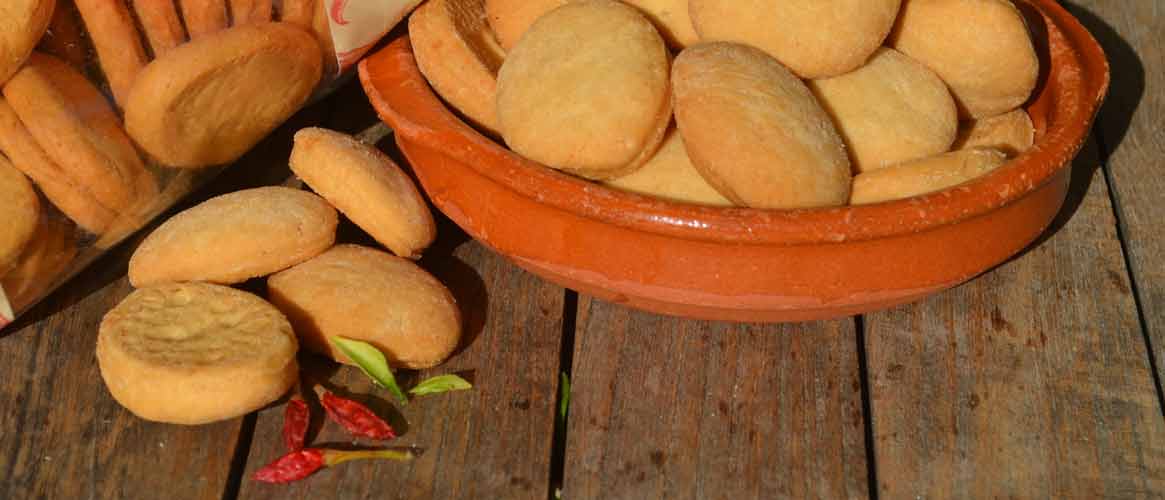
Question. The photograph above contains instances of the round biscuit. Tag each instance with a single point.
(670, 175)
(1012, 132)
(235, 237)
(980, 48)
(21, 211)
(925, 175)
(755, 131)
(459, 57)
(891, 110)
(365, 184)
(207, 102)
(364, 294)
(195, 353)
(70, 196)
(22, 23)
(586, 90)
(77, 128)
(813, 38)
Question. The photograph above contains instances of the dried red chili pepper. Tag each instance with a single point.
(303, 463)
(296, 418)
(355, 417)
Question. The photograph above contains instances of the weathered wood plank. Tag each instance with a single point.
(671, 408)
(491, 442)
(1031, 381)
(1130, 129)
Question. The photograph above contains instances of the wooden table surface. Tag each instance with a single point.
(1039, 379)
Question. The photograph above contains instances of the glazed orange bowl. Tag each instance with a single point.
(745, 264)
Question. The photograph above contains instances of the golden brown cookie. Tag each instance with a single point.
(755, 131)
(78, 129)
(236, 237)
(672, 19)
(162, 26)
(195, 353)
(980, 48)
(597, 109)
(250, 11)
(889, 111)
(511, 18)
(119, 48)
(670, 175)
(367, 187)
(19, 211)
(813, 38)
(924, 176)
(364, 294)
(69, 195)
(207, 102)
(459, 57)
(203, 17)
(42, 264)
(22, 22)
(1012, 132)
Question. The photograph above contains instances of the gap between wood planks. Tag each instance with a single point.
(1105, 153)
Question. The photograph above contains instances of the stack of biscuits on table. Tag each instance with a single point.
(110, 108)
(774, 104)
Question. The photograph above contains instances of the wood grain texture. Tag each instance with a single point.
(491, 442)
(1130, 130)
(670, 408)
(1031, 381)
(63, 436)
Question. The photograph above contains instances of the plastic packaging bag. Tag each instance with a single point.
(114, 110)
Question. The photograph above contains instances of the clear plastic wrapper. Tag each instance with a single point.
(114, 110)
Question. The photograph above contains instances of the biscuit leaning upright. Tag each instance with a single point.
(813, 38)
(117, 42)
(207, 102)
(22, 22)
(459, 56)
(602, 111)
(980, 48)
(755, 131)
(366, 186)
(195, 353)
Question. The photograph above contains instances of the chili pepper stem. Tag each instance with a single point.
(334, 457)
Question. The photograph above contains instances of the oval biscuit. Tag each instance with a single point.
(814, 38)
(980, 48)
(366, 186)
(1012, 132)
(669, 174)
(195, 353)
(208, 101)
(891, 110)
(755, 131)
(597, 109)
(672, 18)
(22, 22)
(364, 294)
(924, 176)
(236, 237)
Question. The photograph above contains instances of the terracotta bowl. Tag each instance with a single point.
(737, 263)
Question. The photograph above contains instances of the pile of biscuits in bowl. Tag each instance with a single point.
(762, 104)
